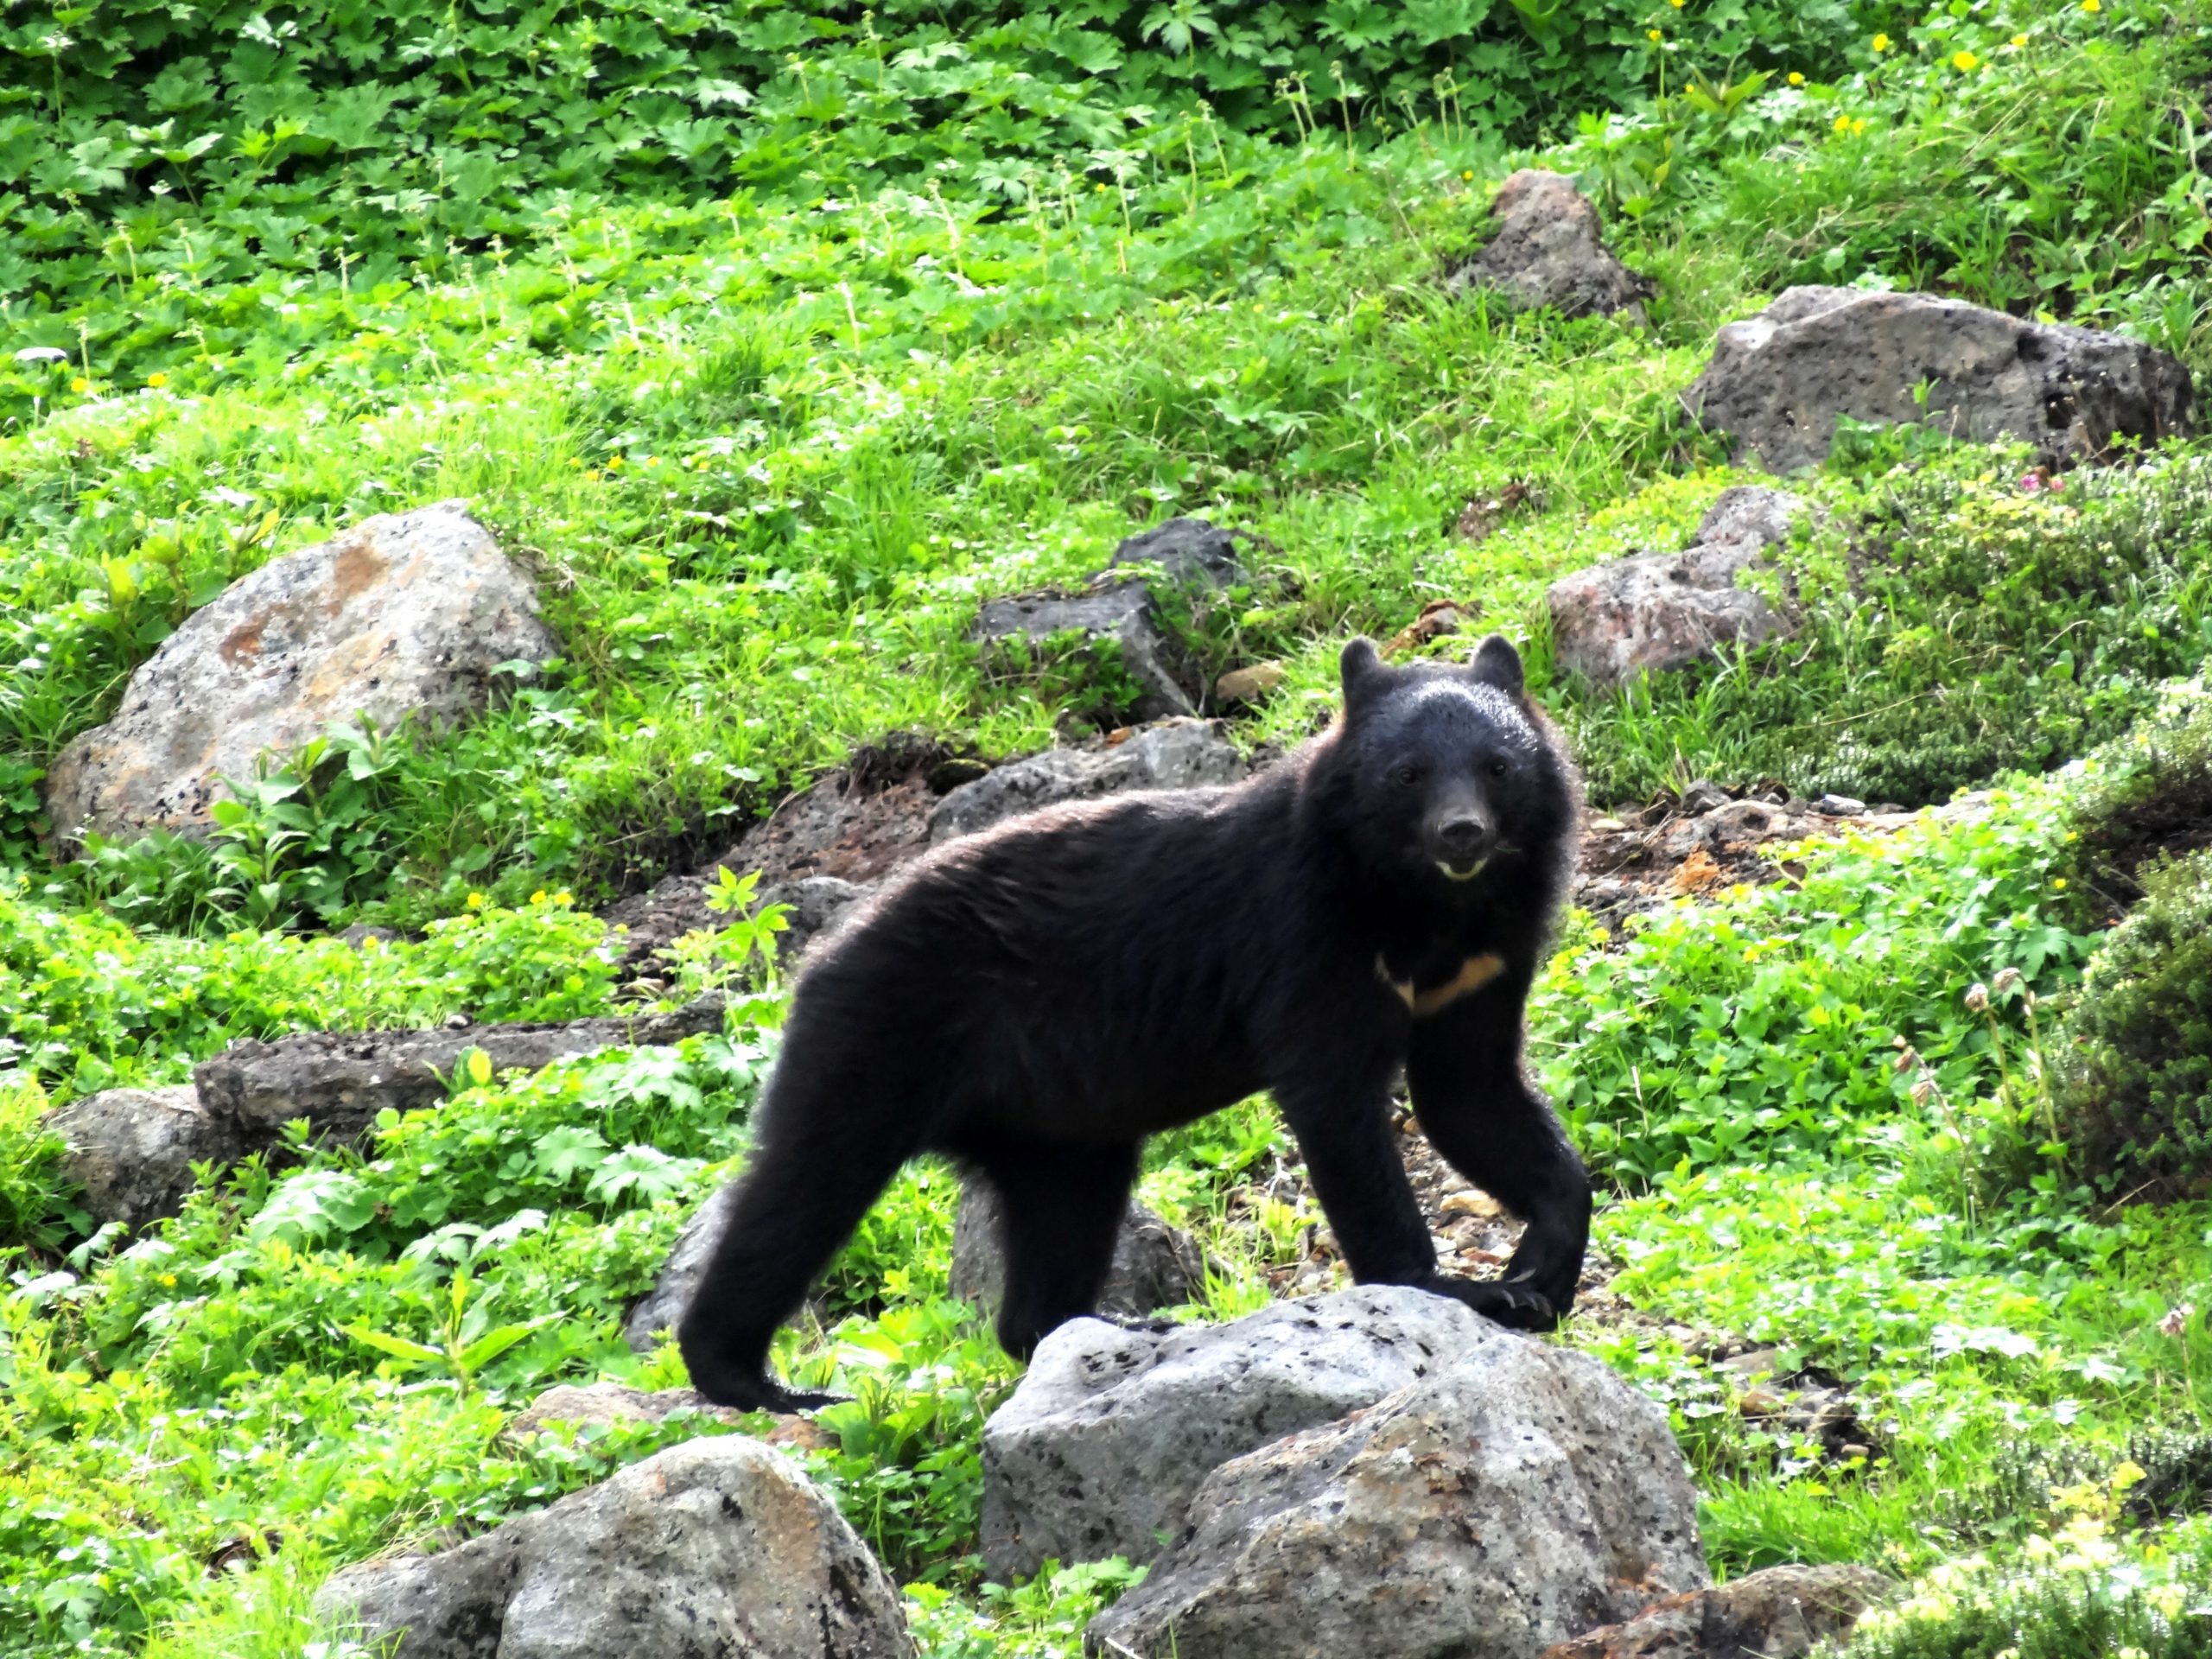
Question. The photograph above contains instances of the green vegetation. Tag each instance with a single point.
(775, 338)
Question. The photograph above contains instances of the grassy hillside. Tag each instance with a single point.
(773, 339)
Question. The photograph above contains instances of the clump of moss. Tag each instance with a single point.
(2131, 1065)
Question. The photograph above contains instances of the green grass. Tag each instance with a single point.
(769, 405)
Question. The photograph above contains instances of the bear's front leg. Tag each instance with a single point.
(1341, 1116)
(1462, 1068)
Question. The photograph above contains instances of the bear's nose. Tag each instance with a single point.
(1464, 837)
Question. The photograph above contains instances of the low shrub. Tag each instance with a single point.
(2131, 1065)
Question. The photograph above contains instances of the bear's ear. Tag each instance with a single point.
(1496, 663)
(1363, 670)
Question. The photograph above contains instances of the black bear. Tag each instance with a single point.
(1034, 1000)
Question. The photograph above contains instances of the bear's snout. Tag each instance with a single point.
(1463, 842)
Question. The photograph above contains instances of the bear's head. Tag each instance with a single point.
(1450, 777)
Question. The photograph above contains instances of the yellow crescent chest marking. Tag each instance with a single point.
(1474, 973)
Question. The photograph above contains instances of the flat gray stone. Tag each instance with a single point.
(339, 1080)
(404, 615)
(1777, 1612)
(1111, 1431)
(1168, 755)
(717, 1547)
(1777, 381)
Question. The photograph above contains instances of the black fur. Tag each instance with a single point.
(1037, 999)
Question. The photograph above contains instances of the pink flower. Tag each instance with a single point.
(2031, 482)
(2175, 1320)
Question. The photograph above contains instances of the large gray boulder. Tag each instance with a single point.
(713, 1548)
(1778, 1612)
(1519, 1494)
(1169, 754)
(1658, 611)
(1156, 1265)
(339, 1080)
(1111, 1431)
(1777, 381)
(132, 1150)
(1549, 251)
(1126, 626)
(404, 615)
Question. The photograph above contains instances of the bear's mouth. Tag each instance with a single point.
(1462, 869)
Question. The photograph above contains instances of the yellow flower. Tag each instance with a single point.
(1654, 34)
(80, 385)
(1468, 174)
(564, 897)
(1676, 5)
(1963, 61)
(1858, 126)
(591, 475)
(476, 901)
(157, 380)
(2059, 886)
(2092, 5)
(1843, 123)
(537, 898)
(1796, 80)
(1881, 42)
(614, 463)
(2020, 39)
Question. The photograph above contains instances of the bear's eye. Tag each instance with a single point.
(1498, 768)
(1407, 775)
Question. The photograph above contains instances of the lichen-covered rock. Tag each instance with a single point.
(339, 1080)
(1777, 381)
(1169, 754)
(132, 1150)
(1517, 1495)
(1778, 1612)
(1156, 1265)
(603, 1404)
(1658, 611)
(1550, 250)
(1111, 1431)
(405, 614)
(717, 1547)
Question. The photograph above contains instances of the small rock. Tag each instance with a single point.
(815, 905)
(1249, 685)
(1549, 251)
(1839, 806)
(1759, 1403)
(1111, 1431)
(363, 933)
(1518, 1494)
(1701, 798)
(1187, 552)
(1480, 1205)
(1777, 381)
(1778, 1612)
(717, 1546)
(659, 1308)
(1170, 754)
(1156, 1265)
(1755, 1362)
(1653, 612)
(404, 615)
(595, 1405)
(1439, 618)
(1118, 622)
(132, 1150)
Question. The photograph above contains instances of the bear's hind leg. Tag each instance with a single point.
(796, 1205)
(1060, 1210)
